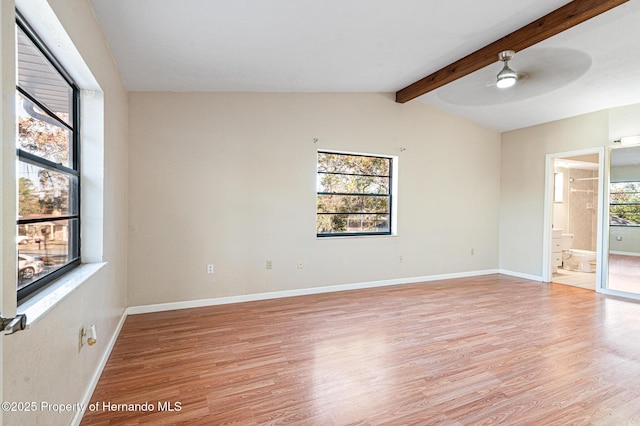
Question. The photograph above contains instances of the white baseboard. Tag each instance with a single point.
(96, 375)
(520, 275)
(143, 309)
(625, 253)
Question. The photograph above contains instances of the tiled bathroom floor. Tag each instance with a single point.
(577, 279)
(624, 275)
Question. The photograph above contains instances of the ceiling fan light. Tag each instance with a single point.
(506, 78)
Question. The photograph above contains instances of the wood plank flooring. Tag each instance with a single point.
(624, 273)
(485, 350)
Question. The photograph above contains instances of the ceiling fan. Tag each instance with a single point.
(507, 77)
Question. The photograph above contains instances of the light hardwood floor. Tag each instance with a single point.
(624, 273)
(485, 350)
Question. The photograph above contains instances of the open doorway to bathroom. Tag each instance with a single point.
(575, 219)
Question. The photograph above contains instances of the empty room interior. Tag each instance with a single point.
(320, 212)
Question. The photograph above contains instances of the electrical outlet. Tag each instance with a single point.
(300, 263)
(210, 269)
(473, 251)
(400, 259)
(269, 264)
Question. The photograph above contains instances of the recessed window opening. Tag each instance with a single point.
(48, 167)
(354, 194)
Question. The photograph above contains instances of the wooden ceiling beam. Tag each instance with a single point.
(559, 20)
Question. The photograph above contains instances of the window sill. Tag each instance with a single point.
(38, 305)
(346, 237)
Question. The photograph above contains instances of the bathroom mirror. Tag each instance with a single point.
(624, 220)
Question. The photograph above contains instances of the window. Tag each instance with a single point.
(353, 194)
(558, 187)
(624, 204)
(48, 178)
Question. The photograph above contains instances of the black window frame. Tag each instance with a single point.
(72, 170)
(389, 195)
(615, 204)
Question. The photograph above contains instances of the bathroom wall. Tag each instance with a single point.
(582, 207)
(577, 212)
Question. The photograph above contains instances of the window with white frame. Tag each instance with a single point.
(48, 166)
(354, 194)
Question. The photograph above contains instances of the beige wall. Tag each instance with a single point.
(583, 208)
(623, 121)
(45, 362)
(523, 180)
(623, 240)
(522, 183)
(229, 179)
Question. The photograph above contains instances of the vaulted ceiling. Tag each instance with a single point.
(377, 46)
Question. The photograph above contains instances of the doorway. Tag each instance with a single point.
(573, 219)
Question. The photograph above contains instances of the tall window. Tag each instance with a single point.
(624, 204)
(353, 194)
(48, 177)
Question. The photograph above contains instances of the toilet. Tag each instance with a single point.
(576, 259)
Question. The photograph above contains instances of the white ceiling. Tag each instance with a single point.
(376, 46)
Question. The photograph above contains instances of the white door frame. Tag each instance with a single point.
(547, 265)
(604, 283)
